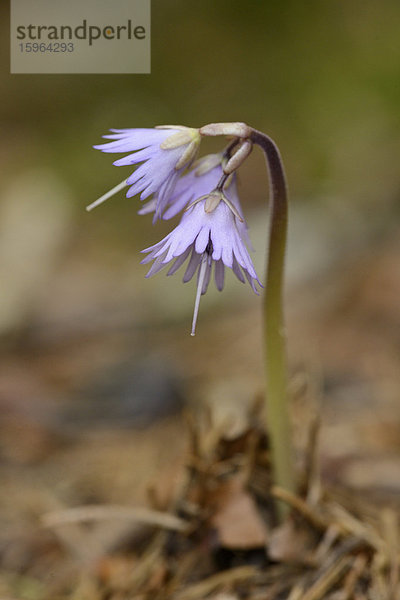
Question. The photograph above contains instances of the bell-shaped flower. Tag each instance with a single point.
(165, 152)
(208, 235)
(204, 176)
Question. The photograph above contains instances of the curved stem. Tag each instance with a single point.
(274, 333)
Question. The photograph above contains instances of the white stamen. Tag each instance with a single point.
(202, 273)
(107, 195)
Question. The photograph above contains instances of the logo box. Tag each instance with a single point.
(80, 36)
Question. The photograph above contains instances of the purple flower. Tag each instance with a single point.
(208, 234)
(164, 153)
(203, 177)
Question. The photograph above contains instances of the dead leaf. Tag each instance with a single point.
(236, 518)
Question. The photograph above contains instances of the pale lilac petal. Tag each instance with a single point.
(227, 256)
(202, 240)
(146, 259)
(148, 208)
(160, 245)
(192, 186)
(243, 258)
(157, 173)
(144, 170)
(137, 157)
(157, 265)
(207, 277)
(236, 269)
(130, 140)
(219, 274)
(164, 194)
(179, 262)
(178, 203)
(135, 189)
(232, 194)
(192, 266)
(252, 283)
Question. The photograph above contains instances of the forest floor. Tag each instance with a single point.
(93, 507)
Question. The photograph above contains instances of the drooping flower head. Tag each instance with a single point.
(210, 233)
(165, 152)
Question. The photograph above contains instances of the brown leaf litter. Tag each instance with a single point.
(218, 538)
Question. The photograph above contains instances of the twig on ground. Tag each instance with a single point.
(99, 513)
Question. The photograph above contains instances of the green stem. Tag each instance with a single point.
(274, 333)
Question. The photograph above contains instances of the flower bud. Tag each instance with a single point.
(238, 158)
(235, 129)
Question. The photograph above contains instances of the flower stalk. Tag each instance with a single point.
(273, 318)
(274, 328)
